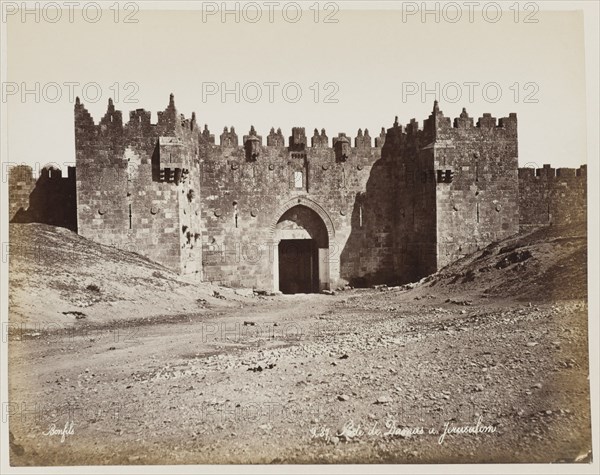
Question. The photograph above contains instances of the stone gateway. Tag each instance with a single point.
(306, 214)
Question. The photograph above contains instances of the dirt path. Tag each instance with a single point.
(354, 377)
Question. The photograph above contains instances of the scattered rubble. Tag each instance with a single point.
(282, 380)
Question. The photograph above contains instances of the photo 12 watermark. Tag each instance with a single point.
(70, 12)
(269, 92)
(471, 12)
(69, 333)
(26, 172)
(52, 92)
(270, 12)
(470, 92)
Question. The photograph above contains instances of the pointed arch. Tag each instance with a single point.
(309, 203)
(322, 269)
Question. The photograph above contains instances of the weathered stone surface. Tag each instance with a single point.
(391, 213)
(138, 184)
(548, 195)
(50, 199)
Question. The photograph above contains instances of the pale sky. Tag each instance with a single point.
(370, 56)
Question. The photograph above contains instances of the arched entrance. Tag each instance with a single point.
(302, 251)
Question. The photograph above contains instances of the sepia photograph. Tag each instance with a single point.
(352, 236)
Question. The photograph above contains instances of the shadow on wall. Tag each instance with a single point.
(51, 199)
(368, 256)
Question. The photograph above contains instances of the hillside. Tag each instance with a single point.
(58, 277)
(548, 263)
(498, 337)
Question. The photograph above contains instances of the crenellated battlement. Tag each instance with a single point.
(83, 119)
(228, 138)
(298, 140)
(399, 204)
(112, 118)
(319, 140)
(55, 173)
(48, 199)
(171, 122)
(275, 139)
(552, 195)
(111, 124)
(465, 122)
(24, 174)
(437, 123)
(206, 136)
(549, 173)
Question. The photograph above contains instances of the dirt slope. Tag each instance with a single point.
(281, 380)
(548, 263)
(58, 277)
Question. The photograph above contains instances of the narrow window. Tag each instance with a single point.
(298, 179)
(477, 205)
(130, 221)
(360, 214)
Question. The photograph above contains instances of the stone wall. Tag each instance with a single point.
(137, 184)
(386, 210)
(412, 155)
(51, 199)
(20, 185)
(247, 189)
(456, 188)
(477, 183)
(548, 195)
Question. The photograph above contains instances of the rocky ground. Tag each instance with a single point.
(386, 375)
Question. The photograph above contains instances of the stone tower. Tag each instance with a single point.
(296, 217)
(137, 184)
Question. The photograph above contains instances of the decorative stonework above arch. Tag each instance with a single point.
(309, 203)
